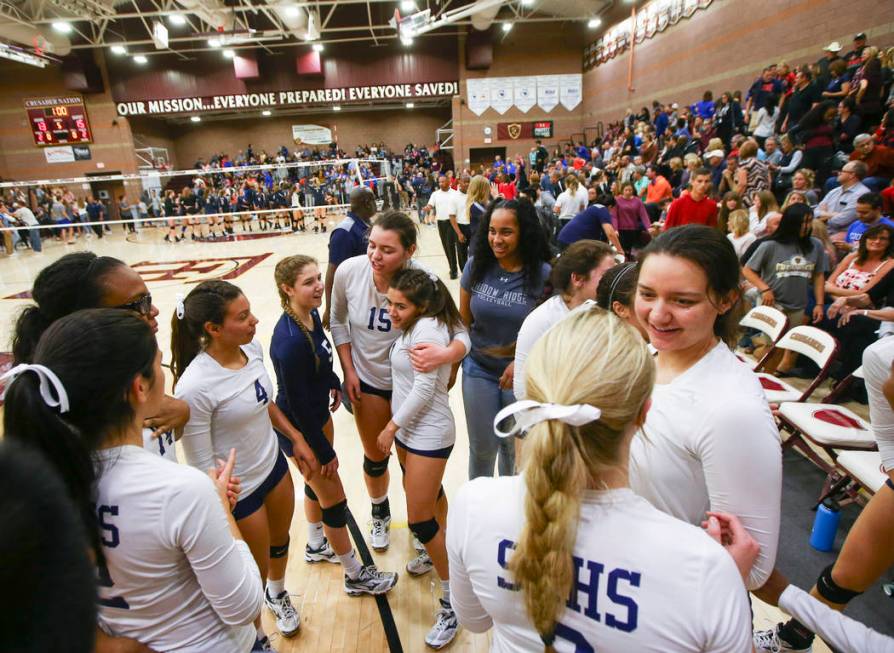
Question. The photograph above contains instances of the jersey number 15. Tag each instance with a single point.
(384, 322)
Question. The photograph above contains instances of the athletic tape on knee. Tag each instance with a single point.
(375, 468)
(832, 591)
(280, 551)
(336, 516)
(309, 493)
(425, 530)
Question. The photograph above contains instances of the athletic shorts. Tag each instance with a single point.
(890, 483)
(253, 502)
(431, 453)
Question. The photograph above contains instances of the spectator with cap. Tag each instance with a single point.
(715, 163)
(824, 63)
(879, 162)
(838, 209)
(854, 57)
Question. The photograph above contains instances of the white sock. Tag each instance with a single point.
(378, 500)
(315, 534)
(351, 566)
(261, 633)
(275, 587)
(445, 591)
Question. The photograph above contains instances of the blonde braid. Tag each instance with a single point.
(287, 309)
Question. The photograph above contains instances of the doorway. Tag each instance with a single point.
(485, 156)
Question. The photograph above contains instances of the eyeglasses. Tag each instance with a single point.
(143, 305)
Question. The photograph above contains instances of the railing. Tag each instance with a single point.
(444, 135)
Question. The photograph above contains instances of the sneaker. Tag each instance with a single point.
(370, 581)
(420, 565)
(379, 536)
(444, 630)
(322, 554)
(419, 546)
(287, 619)
(769, 641)
(262, 645)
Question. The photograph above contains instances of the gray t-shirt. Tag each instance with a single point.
(787, 271)
(500, 303)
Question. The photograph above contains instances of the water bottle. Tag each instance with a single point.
(825, 525)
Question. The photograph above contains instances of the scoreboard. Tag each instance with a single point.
(58, 121)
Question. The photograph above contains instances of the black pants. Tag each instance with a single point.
(449, 241)
(462, 249)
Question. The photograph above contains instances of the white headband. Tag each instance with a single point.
(527, 413)
(47, 378)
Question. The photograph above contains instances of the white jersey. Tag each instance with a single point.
(459, 207)
(175, 579)
(163, 445)
(444, 202)
(228, 409)
(644, 580)
(836, 629)
(877, 360)
(710, 442)
(538, 322)
(420, 403)
(360, 318)
(570, 204)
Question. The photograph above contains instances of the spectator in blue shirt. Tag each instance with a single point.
(705, 108)
(869, 214)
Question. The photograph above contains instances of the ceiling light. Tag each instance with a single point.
(410, 105)
(293, 11)
(228, 54)
(119, 49)
(406, 40)
(177, 19)
(266, 112)
(527, 3)
(214, 43)
(336, 108)
(507, 27)
(318, 47)
(407, 6)
(140, 59)
(62, 27)
(593, 23)
(196, 118)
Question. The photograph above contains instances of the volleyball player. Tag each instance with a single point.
(173, 571)
(363, 334)
(566, 552)
(85, 280)
(711, 442)
(308, 390)
(219, 370)
(422, 425)
(575, 276)
(616, 293)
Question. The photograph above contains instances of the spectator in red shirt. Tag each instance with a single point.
(505, 187)
(694, 206)
(879, 162)
(657, 192)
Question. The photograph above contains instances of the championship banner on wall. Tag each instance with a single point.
(478, 92)
(513, 131)
(311, 135)
(501, 94)
(548, 91)
(525, 92)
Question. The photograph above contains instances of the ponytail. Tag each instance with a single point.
(561, 461)
(95, 354)
(207, 302)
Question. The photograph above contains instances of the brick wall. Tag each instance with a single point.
(725, 47)
(529, 49)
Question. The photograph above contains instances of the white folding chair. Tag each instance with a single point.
(769, 321)
(854, 470)
(815, 344)
(839, 391)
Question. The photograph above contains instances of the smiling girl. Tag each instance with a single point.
(422, 426)
(711, 442)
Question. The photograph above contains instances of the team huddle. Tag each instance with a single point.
(640, 464)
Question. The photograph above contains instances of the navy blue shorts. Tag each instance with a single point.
(428, 453)
(253, 502)
(370, 390)
(890, 483)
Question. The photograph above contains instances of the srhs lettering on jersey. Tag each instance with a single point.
(601, 594)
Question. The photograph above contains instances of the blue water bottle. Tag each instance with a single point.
(825, 525)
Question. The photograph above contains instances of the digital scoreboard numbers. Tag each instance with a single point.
(58, 121)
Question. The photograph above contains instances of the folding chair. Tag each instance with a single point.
(854, 470)
(815, 344)
(839, 391)
(769, 321)
(831, 428)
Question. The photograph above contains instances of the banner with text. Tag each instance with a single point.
(311, 97)
(545, 91)
(513, 131)
(311, 135)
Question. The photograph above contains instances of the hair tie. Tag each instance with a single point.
(434, 278)
(47, 378)
(528, 413)
(181, 305)
(548, 638)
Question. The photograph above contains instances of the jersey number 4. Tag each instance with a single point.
(260, 393)
(384, 322)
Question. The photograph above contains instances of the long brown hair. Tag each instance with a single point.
(428, 293)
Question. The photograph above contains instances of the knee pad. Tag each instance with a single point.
(309, 493)
(375, 468)
(831, 591)
(336, 516)
(425, 530)
(280, 551)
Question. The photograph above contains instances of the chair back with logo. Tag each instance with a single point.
(815, 344)
(768, 320)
